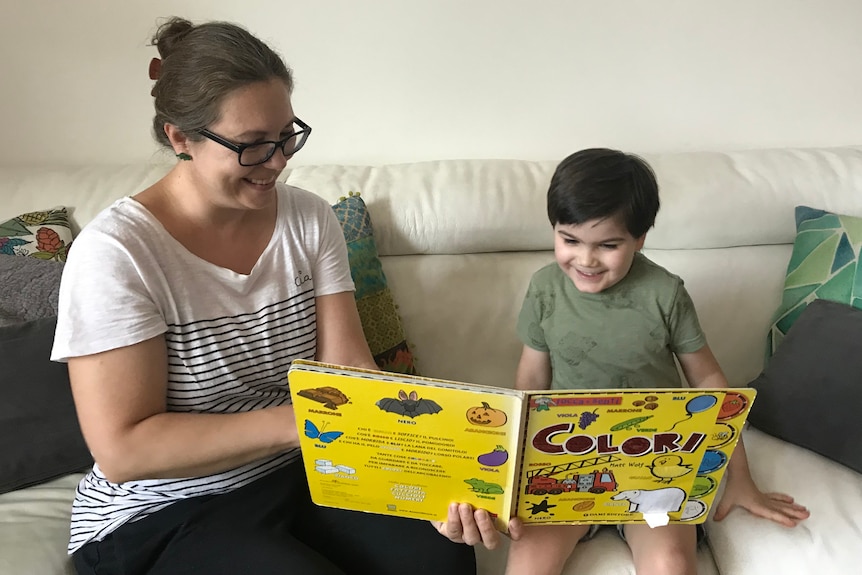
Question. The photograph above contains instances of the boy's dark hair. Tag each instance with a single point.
(599, 183)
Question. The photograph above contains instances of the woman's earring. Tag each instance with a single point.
(183, 156)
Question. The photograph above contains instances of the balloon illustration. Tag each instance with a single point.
(712, 461)
(696, 405)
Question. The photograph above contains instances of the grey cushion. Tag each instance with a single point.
(39, 434)
(29, 288)
(810, 394)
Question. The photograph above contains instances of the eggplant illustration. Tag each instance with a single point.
(494, 458)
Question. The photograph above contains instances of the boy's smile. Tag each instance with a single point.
(596, 254)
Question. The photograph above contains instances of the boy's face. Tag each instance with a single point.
(596, 254)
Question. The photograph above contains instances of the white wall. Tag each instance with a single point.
(403, 80)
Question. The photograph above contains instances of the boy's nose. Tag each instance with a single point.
(586, 257)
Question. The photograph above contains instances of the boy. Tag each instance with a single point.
(605, 316)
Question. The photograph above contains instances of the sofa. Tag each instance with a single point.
(458, 241)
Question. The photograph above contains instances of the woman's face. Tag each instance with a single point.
(251, 114)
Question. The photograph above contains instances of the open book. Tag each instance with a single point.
(408, 446)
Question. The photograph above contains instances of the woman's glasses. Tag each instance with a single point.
(260, 152)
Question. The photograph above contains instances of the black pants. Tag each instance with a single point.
(271, 527)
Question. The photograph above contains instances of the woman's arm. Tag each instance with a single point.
(120, 397)
(340, 339)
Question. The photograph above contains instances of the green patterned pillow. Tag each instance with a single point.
(44, 235)
(824, 265)
(377, 308)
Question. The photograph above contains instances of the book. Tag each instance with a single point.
(408, 446)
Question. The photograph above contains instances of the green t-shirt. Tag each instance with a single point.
(625, 336)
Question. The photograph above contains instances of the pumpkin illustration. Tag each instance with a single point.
(486, 416)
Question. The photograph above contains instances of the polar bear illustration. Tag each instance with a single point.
(666, 500)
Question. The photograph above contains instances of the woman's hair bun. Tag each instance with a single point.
(170, 34)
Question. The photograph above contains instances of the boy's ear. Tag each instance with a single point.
(640, 242)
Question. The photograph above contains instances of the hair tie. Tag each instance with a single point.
(155, 68)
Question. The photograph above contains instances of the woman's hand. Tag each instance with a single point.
(474, 526)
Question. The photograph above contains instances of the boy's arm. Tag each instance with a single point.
(534, 369)
(701, 369)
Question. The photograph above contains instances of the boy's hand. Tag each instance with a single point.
(474, 526)
(778, 507)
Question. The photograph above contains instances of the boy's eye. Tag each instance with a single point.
(609, 246)
(571, 242)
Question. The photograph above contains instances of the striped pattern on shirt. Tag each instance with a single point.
(224, 365)
(230, 337)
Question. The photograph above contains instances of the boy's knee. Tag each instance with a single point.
(668, 561)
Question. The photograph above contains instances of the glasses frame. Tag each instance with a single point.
(240, 148)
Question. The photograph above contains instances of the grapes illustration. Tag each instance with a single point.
(587, 417)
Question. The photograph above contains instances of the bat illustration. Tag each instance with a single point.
(409, 405)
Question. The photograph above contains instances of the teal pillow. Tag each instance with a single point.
(377, 310)
(824, 265)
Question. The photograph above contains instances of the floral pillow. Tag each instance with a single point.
(44, 235)
(377, 309)
(824, 265)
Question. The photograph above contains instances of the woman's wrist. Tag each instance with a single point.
(286, 427)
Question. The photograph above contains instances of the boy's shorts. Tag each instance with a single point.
(701, 532)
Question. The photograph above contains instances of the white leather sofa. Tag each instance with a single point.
(459, 240)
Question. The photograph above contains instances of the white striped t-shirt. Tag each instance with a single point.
(230, 337)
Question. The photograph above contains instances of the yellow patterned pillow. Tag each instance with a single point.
(377, 309)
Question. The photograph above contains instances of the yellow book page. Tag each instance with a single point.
(614, 456)
(395, 445)
(724, 437)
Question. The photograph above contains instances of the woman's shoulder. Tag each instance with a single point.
(299, 198)
(120, 223)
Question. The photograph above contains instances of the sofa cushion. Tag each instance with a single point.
(39, 434)
(810, 392)
(28, 288)
(824, 265)
(377, 309)
(45, 235)
(826, 543)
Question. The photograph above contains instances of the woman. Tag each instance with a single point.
(179, 317)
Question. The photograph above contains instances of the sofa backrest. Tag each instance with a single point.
(459, 239)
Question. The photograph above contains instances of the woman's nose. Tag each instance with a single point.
(278, 161)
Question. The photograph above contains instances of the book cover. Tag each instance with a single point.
(408, 446)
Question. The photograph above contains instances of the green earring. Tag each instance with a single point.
(183, 156)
